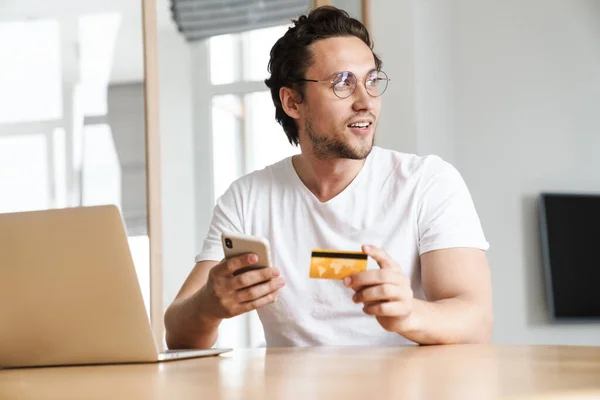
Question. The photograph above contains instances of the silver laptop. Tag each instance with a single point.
(70, 294)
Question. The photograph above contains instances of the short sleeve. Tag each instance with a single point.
(447, 217)
(227, 216)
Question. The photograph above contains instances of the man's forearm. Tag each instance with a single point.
(448, 321)
(188, 326)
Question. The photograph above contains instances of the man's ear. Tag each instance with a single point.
(290, 101)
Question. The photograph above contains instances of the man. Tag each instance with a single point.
(413, 215)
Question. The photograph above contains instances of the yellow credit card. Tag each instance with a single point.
(336, 264)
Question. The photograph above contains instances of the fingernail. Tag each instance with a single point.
(274, 272)
(354, 298)
(347, 281)
(253, 258)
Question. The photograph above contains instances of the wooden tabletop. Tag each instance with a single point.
(436, 372)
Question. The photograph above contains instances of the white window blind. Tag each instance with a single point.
(201, 19)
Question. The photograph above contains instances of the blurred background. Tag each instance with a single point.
(72, 111)
(508, 92)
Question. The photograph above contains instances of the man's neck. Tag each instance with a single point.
(326, 178)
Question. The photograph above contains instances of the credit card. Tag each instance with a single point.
(336, 264)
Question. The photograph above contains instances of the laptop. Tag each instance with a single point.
(70, 294)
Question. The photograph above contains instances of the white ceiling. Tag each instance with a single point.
(128, 52)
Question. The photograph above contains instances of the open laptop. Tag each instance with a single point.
(69, 292)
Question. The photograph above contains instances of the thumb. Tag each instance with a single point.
(379, 255)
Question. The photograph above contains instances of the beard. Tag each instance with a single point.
(329, 148)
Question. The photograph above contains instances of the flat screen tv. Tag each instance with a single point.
(570, 236)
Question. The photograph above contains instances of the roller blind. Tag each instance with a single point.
(201, 19)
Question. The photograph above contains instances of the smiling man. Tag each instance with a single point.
(413, 215)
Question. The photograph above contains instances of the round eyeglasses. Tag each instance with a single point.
(344, 83)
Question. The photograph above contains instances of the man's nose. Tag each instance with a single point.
(362, 99)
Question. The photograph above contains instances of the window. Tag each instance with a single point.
(256, 47)
(24, 173)
(54, 74)
(97, 35)
(244, 120)
(224, 59)
(227, 117)
(59, 165)
(101, 183)
(30, 71)
(266, 141)
(243, 124)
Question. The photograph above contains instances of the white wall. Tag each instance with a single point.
(519, 96)
(434, 83)
(392, 30)
(186, 154)
(177, 155)
(528, 100)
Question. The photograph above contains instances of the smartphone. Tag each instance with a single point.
(235, 244)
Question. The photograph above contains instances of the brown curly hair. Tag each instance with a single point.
(291, 57)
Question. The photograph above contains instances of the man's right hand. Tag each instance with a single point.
(225, 295)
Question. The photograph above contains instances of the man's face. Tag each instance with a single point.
(335, 126)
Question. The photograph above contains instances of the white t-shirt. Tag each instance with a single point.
(406, 204)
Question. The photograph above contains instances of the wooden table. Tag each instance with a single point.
(436, 372)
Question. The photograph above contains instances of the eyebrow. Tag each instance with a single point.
(333, 75)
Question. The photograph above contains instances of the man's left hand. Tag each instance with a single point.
(386, 293)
